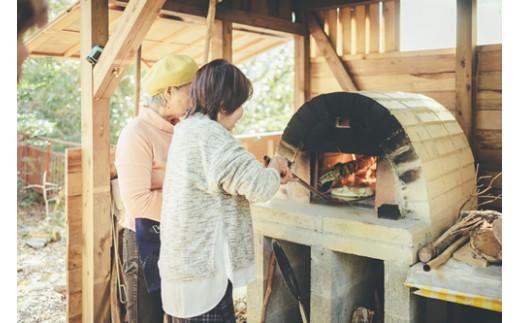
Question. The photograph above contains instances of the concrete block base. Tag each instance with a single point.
(342, 282)
(401, 306)
(283, 306)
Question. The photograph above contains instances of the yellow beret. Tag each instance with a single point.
(171, 70)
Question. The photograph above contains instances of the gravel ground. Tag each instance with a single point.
(41, 271)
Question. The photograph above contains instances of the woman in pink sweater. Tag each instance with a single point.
(140, 161)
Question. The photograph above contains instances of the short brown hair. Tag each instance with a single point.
(219, 86)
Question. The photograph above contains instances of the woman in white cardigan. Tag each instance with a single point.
(206, 225)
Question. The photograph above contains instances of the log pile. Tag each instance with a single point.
(480, 230)
(483, 230)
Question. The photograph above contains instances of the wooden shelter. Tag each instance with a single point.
(339, 45)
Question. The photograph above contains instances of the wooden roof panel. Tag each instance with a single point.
(60, 38)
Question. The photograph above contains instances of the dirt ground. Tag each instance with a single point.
(41, 269)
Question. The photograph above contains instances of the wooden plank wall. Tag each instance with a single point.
(487, 133)
(362, 29)
(73, 205)
(432, 73)
(73, 214)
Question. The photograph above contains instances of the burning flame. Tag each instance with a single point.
(364, 177)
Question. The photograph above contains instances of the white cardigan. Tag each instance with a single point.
(209, 178)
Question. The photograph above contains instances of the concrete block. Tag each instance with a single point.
(340, 283)
(256, 289)
(400, 304)
(283, 306)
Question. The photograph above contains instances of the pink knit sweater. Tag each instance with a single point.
(140, 161)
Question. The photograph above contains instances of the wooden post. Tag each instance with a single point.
(73, 214)
(331, 17)
(222, 41)
(345, 18)
(360, 12)
(95, 137)
(138, 79)
(392, 25)
(331, 57)
(465, 63)
(302, 67)
(373, 14)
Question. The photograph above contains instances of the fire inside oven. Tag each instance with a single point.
(345, 178)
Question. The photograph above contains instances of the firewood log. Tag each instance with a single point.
(432, 250)
(467, 221)
(446, 254)
(362, 315)
(497, 229)
(484, 243)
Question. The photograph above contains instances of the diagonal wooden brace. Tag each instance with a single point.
(331, 57)
(136, 21)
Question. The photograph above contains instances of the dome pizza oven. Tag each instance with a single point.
(402, 154)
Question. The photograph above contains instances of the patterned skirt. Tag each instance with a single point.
(224, 312)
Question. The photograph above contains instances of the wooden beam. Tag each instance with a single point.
(313, 5)
(283, 26)
(95, 137)
(137, 19)
(209, 26)
(302, 74)
(333, 60)
(465, 64)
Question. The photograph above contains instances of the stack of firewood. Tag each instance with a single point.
(477, 233)
(483, 230)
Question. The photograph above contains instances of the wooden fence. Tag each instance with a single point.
(34, 161)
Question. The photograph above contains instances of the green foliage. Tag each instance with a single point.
(58, 6)
(271, 106)
(49, 100)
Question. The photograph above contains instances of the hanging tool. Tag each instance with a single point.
(288, 276)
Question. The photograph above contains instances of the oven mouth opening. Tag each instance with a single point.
(345, 178)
